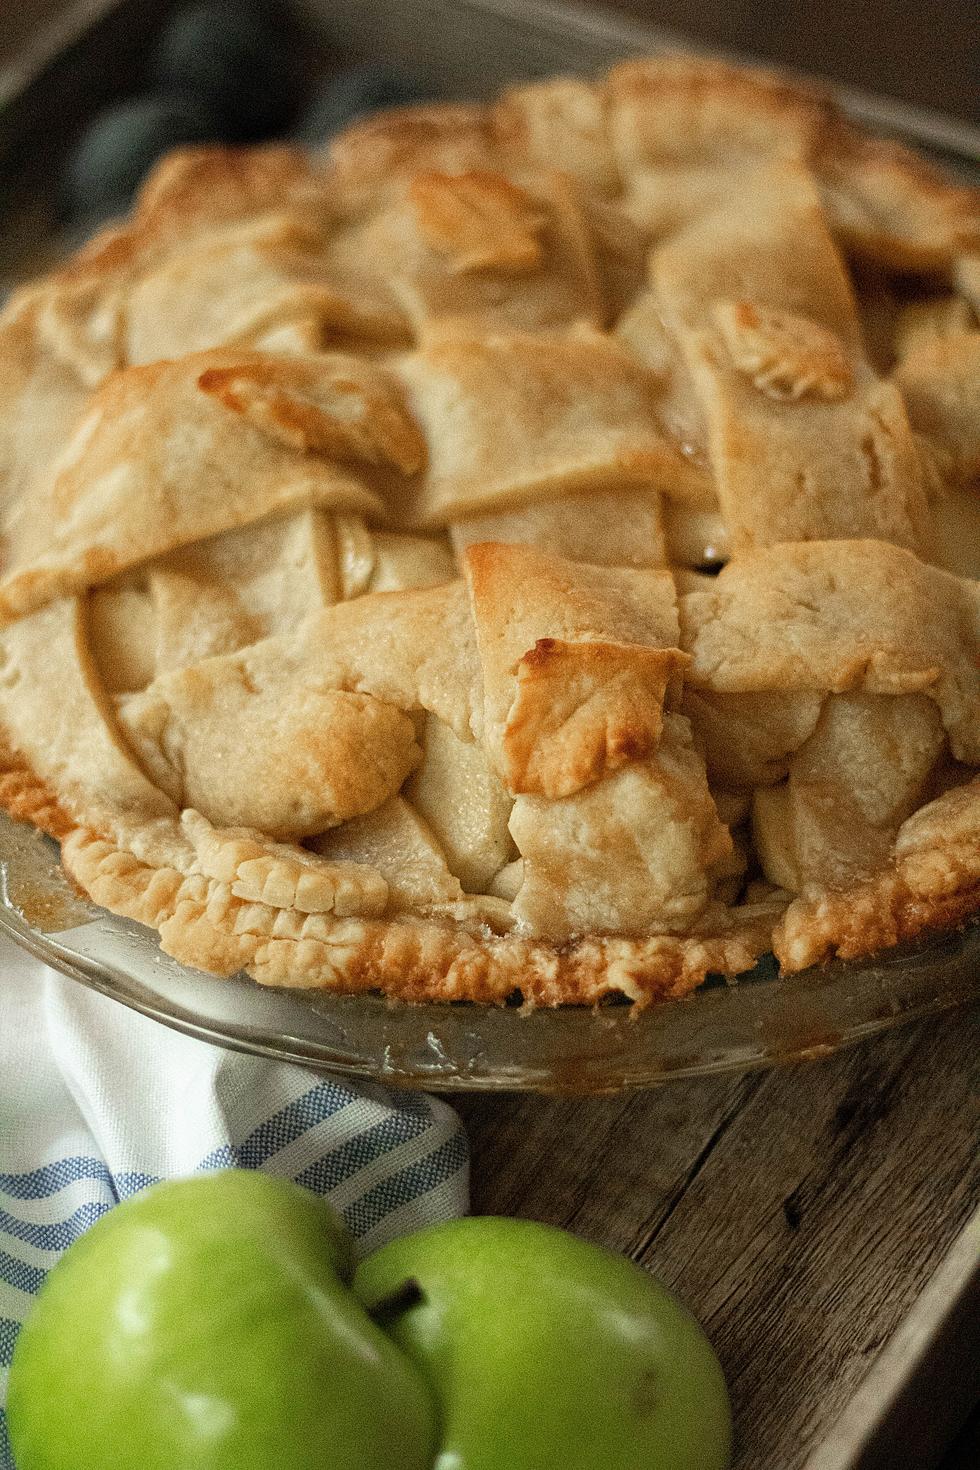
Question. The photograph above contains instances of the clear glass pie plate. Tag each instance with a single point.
(760, 1020)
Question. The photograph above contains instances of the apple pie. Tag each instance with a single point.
(531, 548)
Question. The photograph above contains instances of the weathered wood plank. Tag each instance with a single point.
(799, 1212)
(927, 1374)
(586, 1162)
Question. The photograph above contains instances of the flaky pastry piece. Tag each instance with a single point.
(80, 311)
(669, 135)
(175, 451)
(224, 890)
(805, 439)
(847, 673)
(518, 418)
(533, 216)
(932, 882)
(315, 870)
(940, 382)
(355, 629)
(840, 616)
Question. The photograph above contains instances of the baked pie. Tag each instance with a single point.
(531, 548)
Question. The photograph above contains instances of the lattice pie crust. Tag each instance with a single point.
(531, 548)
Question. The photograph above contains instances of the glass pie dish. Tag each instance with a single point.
(758, 1021)
(116, 640)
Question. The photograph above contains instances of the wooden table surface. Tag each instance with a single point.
(799, 1211)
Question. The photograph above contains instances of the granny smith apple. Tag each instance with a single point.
(207, 1324)
(547, 1353)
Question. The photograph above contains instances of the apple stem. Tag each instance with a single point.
(409, 1294)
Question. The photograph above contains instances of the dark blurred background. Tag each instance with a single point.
(923, 52)
(927, 53)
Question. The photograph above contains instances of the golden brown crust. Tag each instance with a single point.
(892, 207)
(124, 490)
(339, 406)
(933, 883)
(940, 382)
(560, 118)
(478, 220)
(576, 661)
(567, 336)
(694, 108)
(191, 191)
(513, 418)
(867, 921)
(204, 925)
(927, 890)
(28, 799)
(836, 616)
(582, 710)
(689, 121)
(381, 151)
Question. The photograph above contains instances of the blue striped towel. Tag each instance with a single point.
(97, 1102)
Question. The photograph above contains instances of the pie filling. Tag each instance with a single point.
(533, 547)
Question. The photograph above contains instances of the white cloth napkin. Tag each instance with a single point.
(97, 1102)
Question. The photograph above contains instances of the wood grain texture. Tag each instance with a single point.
(800, 1212)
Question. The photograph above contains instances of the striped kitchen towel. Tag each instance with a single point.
(97, 1102)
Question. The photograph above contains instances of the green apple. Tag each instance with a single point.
(547, 1353)
(207, 1324)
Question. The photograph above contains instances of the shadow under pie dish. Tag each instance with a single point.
(531, 548)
